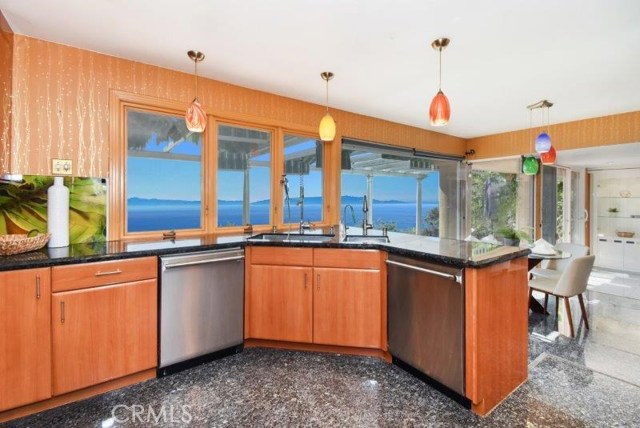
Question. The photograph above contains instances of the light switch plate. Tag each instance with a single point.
(61, 166)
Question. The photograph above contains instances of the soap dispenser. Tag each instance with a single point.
(58, 213)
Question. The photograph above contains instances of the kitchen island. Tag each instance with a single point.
(342, 290)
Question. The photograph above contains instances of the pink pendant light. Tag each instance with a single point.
(440, 110)
(195, 117)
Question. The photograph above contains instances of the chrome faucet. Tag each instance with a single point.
(304, 225)
(284, 181)
(344, 215)
(365, 209)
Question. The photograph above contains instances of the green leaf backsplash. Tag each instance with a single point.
(23, 207)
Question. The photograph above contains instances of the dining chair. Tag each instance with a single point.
(553, 268)
(571, 282)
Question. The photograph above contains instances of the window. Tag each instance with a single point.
(303, 163)
(163, 173)
(244, 176)
(165, 178)
(501, 200)
(406, 193)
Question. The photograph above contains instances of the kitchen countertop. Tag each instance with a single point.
(449, 252)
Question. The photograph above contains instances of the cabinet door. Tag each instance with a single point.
(347, 307)
(103, 333)
(632, 255)
(280, 303)
(609, 253)
(25, 337)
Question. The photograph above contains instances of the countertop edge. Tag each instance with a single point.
(30, 263)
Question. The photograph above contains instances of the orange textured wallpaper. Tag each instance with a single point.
(615, 129)
(6, 67)
(61, 107)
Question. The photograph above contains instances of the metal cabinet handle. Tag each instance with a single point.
(38, 290)
(201, 262)
(318, 282)
(305, 280)
(111, 272)
(62, 312)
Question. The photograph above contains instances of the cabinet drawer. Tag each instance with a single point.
(87, 275)
(353, 259)
(281, 256)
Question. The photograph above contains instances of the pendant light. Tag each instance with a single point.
(543, 141)
(530, 165)
(440, 111)
(549, 158)
(327, 128)
(195, 117)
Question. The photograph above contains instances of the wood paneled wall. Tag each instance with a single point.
(61, 107)
(601, 131)
(6, 67)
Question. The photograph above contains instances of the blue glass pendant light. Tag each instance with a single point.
(543, 143)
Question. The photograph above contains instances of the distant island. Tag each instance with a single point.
(135, 201)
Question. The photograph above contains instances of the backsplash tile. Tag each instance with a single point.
(23, 207)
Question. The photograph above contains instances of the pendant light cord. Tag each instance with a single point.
(440, 71)
(327, 96)
(530, 129)
(196, 61)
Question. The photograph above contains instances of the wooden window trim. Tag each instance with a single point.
(326, 197)
(119, 101)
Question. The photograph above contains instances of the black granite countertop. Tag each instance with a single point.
(449, 252)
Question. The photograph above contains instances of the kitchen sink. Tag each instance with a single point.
(367, 238)
(293, 237)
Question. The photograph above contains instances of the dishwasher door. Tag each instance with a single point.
(426, 319)
(201, 304)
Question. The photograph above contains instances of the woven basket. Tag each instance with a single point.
(20, 243)
(625, 234)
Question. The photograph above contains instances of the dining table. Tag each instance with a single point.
(534, 259)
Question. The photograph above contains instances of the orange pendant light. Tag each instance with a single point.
(195, 117)
(440, 110)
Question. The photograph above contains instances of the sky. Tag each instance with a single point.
(181, 180)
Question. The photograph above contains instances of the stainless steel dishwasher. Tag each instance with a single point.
(201, 307)
(426, 321)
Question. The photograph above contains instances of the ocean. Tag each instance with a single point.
(166, 216)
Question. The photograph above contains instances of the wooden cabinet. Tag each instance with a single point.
(321, 296)
(25, 337)
(281, 303)
(100, 333)
(347, 308)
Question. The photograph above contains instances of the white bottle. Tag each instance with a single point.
(58, 213)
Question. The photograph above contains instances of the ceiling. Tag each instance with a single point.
(605, 157)
(584, 55)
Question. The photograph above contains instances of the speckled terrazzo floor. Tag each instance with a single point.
(570, 385)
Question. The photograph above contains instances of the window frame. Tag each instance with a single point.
(325, 173)
(120, 101)
(212, 181)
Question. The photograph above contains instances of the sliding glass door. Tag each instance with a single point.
(563, 213)
(406, 191)
(501, 201)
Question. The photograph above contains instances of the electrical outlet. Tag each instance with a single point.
(61, 166)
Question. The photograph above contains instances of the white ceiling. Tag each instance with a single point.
(584, 55)
(605, 157)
